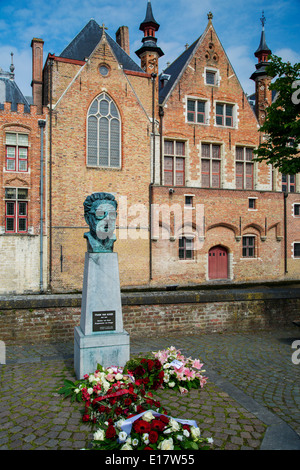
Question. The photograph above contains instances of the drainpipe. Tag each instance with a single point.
(285, 233)
(41, 124)
(50, 176)
(153, 76)
(161, 115)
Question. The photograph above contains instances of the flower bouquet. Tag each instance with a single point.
(180, 373)
(150, 431)
(109, 394)
(147, 372)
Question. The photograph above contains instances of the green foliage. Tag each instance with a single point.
(282, 124)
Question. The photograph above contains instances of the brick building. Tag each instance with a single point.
(174, 147)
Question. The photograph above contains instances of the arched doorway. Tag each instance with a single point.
(218, 262)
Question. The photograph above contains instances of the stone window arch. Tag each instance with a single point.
(103, 133)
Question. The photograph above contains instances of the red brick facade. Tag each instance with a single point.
(196, 163)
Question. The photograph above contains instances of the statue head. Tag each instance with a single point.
(100, 212)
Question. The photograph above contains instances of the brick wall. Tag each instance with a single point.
(38, 319)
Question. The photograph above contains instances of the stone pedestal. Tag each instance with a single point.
(100, 338)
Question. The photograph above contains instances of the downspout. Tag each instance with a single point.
(161, 115)
(153, 76)
(50, 176)
(285, 233)
(42, 124)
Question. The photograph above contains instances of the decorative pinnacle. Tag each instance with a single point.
(263, 20)
(12, 67)
(210, 15)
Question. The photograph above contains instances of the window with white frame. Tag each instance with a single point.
(174, 163)
(244, 168)
(296, 249)
(186, 248)
(16, 151)
(297, 209)
(249, 246)
(211, 77)
(197, 111)
(210, 165)
(104, 133)
(288, 183)
(16, 210)
(225, 115)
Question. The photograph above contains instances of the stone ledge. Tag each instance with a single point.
(225, 293)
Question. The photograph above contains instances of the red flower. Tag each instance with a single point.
(118, 410)
(157, 425)
(150, 365)
(127, 401)
(85, 418)
(164, 419)
(153, 436)
(110, 432)
(141, 426)
(148, 448)
(186, 426)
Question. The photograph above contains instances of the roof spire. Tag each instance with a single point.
(263, 20)
(12, 67)
(263, 51)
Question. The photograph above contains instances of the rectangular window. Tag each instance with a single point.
(252, 203)
(248, 247)
(288, 183)
(196, 111)
(174, 163)
(296, 250)
(297, 210)
(244, 172)
(210, 165)
(224, 115)
(16, 210)
(16, 152)
(186, 248)
(188, 200)
(210, 77)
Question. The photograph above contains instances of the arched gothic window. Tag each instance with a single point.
(103, 133)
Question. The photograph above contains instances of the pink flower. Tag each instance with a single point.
(197, 364)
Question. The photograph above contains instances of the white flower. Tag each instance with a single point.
(90, 391)
(110, 370)
(148, 416)
(179, 437)
(118, 376)
(195, 432)
(186, 433)
(167, 444)
(119, 423)
(171, 384)
(166, 365)
(174, 425)
(166, 377)
(122, 436)
(145, 438)
(91, 378)
(99, 435)
(167, 431)
(106, 385)
(135, 442)
(77, 390)
(126, 446)
(210, 440)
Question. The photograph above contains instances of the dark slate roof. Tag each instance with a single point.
(10, 92)
(174, 71)
(82, 46)
(262, 45)
(149, 18)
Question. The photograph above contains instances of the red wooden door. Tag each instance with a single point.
(218, 263)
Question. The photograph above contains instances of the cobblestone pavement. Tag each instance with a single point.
(251, 401)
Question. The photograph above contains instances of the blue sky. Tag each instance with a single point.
(237, 23)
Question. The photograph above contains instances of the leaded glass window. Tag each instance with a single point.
(103, 133)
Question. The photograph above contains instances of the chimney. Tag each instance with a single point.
(37, 73)
(122, 38)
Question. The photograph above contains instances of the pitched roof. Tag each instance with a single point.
(174, 71)
(82, 46)
(10, 92)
